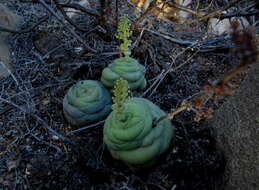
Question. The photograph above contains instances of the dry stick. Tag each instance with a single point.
(170, 115)
(188, 106)
(10, 72)
(104, 11)
(158, 78)
(70, 21)
(239, 14)
(6, 109)
(86, 127)
(153, 5)
(247, 46)
(45, 125)
(44, 4)
(175, 40)
(165, 73)
(205, 44)
(171, 70)
(41, 20)
(44, 142)
(135, 44)
(177, 6)
(201, 16)
(89, 11)
(139, 20)
(216, 12)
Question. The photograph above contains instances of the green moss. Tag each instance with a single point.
(133, 140)
(86, 102)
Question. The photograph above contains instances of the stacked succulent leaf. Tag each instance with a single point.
(129, 130)
(129, 133)
(128, 69)
(86, 102)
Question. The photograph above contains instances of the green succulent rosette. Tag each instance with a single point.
(86, 102)
(125, 68)
(133, 140)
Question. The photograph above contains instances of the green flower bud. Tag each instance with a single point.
(124, 34)
(86, 102)
(133, 140)
(125, 68)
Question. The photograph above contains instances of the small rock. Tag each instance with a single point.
(10, 21)
(218, 27)
(71, 12)
(54, 137)
(48, 43)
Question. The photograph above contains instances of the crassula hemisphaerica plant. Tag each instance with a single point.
(129, 132)
(85, 102)
(125, 67)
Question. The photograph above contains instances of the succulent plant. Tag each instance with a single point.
(126, 67)
(86, 102)
(129, 133)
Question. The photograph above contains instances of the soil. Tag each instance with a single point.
(31, 157)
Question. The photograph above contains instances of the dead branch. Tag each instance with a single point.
(246, 50)
(200, 16)
(86, 127)
(89, 11)
(182, 8)
(212, 44)
(69, 20)
(44, 124)
(105, 11)
(147, 12)
(215, 13)
(238, 14)
(170, 115)
(45, 5)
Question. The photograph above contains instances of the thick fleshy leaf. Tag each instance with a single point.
(87, 101)
(128, 69)
(134, 141)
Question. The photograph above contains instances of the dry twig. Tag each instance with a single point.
(44, 124)
(246, 51)
(44, 4)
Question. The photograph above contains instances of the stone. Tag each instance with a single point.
(8, 20)
(218, 27)
(237, 131)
